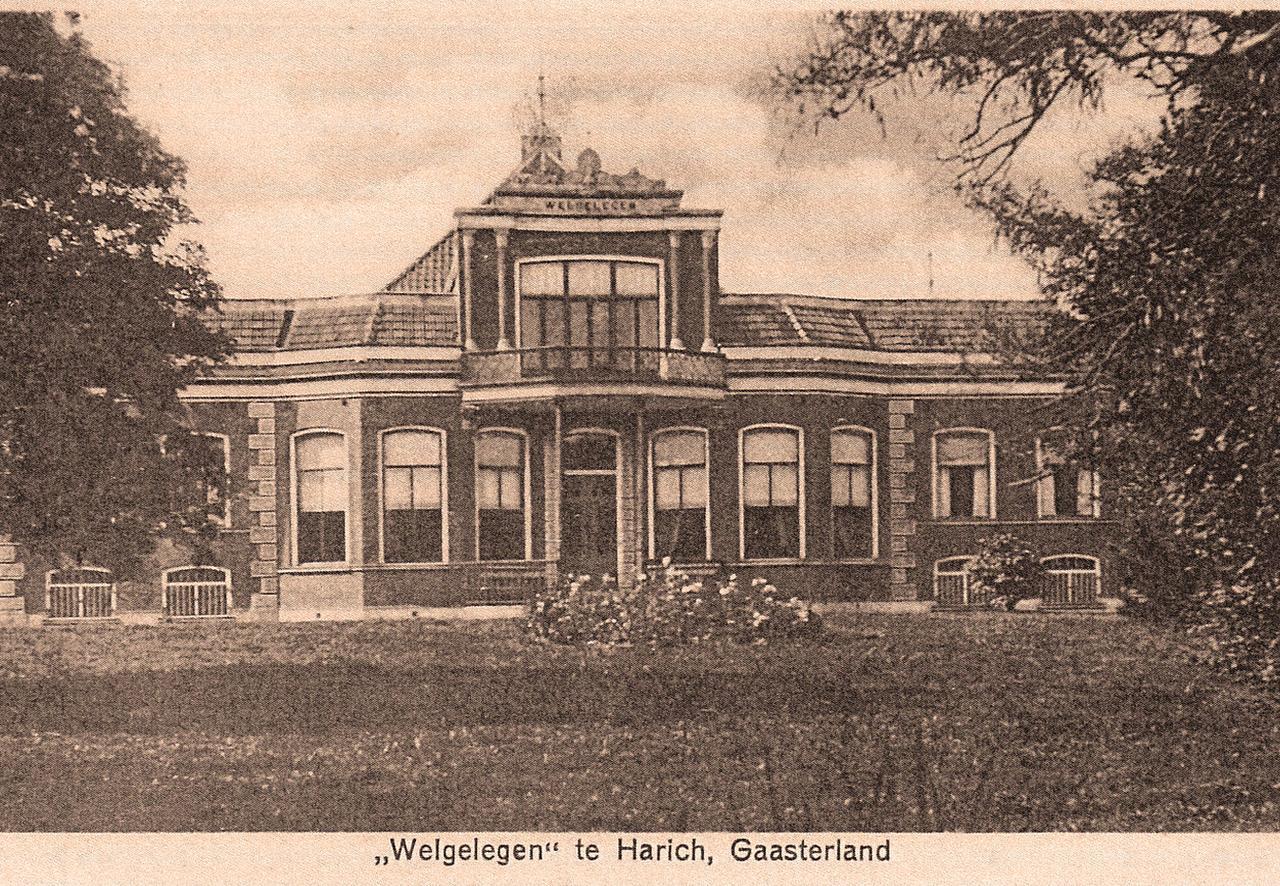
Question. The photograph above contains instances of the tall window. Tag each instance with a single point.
(500, 504)
(588, 313)
(413, 496)
(852, 495)
(1064, 489)
(216, 461)
(771, 490)
(680, 495)
(964, 476)
(320, 460)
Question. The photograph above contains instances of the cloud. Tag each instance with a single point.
(328, 148)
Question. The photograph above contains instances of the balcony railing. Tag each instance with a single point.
(592, 364)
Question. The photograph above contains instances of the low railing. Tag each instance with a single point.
(196, 592)
(511, 582)
(594, 364)
(79, 593)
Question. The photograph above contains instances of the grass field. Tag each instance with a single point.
(921, 722)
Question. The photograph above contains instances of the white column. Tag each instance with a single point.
(501, 237)
(708, 244)
(674, 293)
(468, 244)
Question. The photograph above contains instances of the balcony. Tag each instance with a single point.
(587, 374)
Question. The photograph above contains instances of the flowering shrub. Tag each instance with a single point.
(1005, 571)
(668, 608)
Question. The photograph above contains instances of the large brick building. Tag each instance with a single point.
(559, 384)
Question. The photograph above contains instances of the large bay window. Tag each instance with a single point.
(679, 495)
(1063, 488)
(771, 493)
(413, 491)
(501, 527)
(322, 496)
(853, 517)
(964, 473)
(580, 313)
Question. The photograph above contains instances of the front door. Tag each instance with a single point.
(589, 504)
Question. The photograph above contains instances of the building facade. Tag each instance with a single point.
(559, 385)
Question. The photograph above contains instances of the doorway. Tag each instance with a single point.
(589, 503)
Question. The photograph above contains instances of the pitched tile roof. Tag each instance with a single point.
(436, 270)
(386, 318)
(872, 324)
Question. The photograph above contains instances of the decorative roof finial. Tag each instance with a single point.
(542, 101)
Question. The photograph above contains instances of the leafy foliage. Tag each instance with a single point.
(1005, 570)
(1169, 334)
(100, 320)
(668, 608)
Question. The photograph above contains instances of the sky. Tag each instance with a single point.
(328, 145)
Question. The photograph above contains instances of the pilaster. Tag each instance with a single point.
(903, 581)
(262, 507)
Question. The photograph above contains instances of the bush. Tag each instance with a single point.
(1005, 570)
(668, 608)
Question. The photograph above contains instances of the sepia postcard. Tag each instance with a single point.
(570, 442)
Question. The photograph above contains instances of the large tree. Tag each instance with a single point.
(99, 327)
(1170, 340)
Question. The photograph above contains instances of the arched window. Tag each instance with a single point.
(588, 312)
(964, 473)
(1063, 488)
(678, 495)
(501, 472)
(772, 496)
(853, 494)
(321, 496)
(413, 493)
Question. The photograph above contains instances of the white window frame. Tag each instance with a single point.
(444, 496)
(293, 499)
(225, 440)
(634, 259)
(653, 474)
(528, 486)
(991, 473)
(1044, 473)
(874, 480)
(800, 497)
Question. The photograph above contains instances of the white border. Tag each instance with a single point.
(444, 495)
(991, 472)
(800, 500)
(706, 471)
(875, 488)
(293, 499)
(527, 502)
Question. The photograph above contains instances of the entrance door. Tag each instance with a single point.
(589, 504)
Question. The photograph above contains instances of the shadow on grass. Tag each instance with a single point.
(317, 697)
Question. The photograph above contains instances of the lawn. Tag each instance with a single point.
(904, 722)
